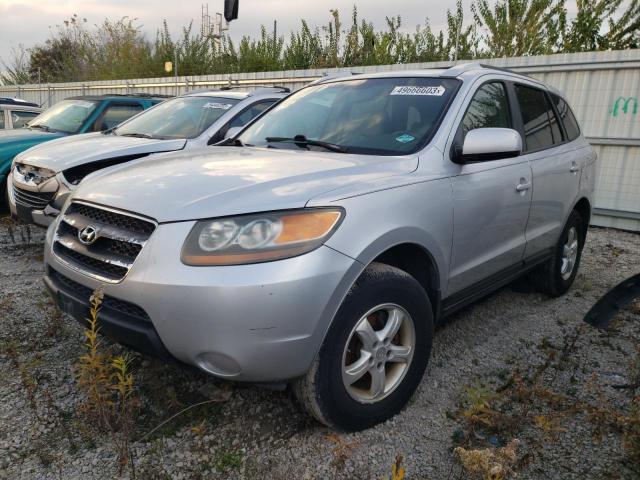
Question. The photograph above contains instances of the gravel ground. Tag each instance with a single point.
(247, 432)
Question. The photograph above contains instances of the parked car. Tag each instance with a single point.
(43, 176)
(69, 117)
(324, 242)
(16, 113)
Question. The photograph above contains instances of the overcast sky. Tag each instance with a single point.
(28, 22)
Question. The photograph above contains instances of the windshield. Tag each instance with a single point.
(185, 117)
(67, 116)
(380, 116)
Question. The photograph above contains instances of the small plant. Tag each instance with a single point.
(229, 461)
(93, 368)
(397, 470)
(478, 409)
(108, 385)
(342, 449)
(548, 425)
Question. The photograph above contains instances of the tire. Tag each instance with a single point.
(4, 196)
(550, 277)
(381, 294)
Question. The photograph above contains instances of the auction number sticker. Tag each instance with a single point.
(409, 90)
(83, 104)
(217, 106)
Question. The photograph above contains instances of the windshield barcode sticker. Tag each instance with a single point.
(217, 106)
(409, 90)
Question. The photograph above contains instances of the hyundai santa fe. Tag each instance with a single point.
(320, 245)
(42, 177)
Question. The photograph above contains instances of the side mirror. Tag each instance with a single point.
(483, 144)
(232, 132)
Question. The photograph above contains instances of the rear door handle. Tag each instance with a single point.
(523, 186)
(574, 167)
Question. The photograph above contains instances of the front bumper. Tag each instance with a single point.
(56, 188)
(261, 323)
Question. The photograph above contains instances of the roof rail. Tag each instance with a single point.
(331, 76)
(140, 94)
(248, 85)
(457, 70)
(274, 87)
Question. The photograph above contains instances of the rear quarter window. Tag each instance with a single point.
(567, 117)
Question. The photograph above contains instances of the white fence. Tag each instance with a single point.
(602, 87)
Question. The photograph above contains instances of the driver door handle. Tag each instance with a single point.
(574, 167)
(523, 186)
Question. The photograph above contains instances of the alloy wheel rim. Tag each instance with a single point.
(569, 254)
(378, 353)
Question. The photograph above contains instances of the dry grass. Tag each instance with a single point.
(528, 402)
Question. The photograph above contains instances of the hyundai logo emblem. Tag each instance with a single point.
(88, 235)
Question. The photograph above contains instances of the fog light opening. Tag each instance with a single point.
(218, 364)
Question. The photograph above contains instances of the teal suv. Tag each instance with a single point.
(69, 117)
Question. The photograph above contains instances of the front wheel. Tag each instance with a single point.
(4, 195)
(374, 354)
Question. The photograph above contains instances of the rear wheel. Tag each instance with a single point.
(374, 354)
(557, 275)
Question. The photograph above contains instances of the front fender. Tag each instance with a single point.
(420, 213)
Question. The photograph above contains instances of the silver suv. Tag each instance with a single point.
(322, 244)
(42, 177)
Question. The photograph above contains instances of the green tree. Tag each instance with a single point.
(17, 72)
(587, 31)
(520, 27)
(119, 50)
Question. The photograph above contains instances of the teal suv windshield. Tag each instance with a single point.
(380, 116)
(67, 116)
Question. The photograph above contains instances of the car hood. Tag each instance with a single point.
(219, 181)
(15, 141)
(72, 151)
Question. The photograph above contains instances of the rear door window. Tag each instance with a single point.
(536, 118)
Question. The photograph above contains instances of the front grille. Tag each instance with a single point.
(34, 200)
(113, 219)
(110, 255)
(84, 293)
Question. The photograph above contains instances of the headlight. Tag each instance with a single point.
(260, 237)
(30, 174)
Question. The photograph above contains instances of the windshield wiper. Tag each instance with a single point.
(230, 142)
(42, 127)
(137, 135)
(303, 141)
